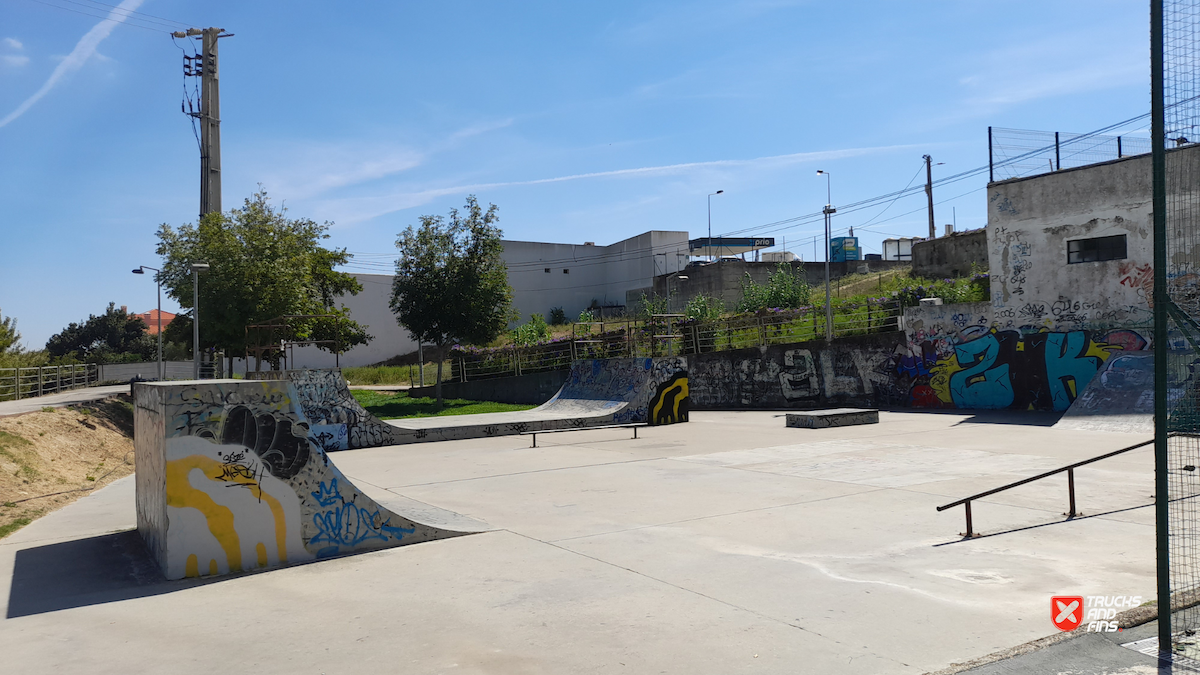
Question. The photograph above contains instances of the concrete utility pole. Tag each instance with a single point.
(929, 194)
(206, 67)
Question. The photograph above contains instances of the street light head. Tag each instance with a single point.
(139, 271)
(199, 267)
(719, 192)
(821, 173)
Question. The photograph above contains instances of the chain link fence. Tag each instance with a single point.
(1177, 313)
(1018, 153)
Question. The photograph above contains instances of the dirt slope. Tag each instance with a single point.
(49, 459)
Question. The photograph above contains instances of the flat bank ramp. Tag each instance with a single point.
(597, 392)
(1119, 397)
(230, 478)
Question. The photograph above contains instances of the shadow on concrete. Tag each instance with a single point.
(1040, 525)
(1029, 418)
(92, 571)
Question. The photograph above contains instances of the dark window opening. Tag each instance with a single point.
(566, 271)
(1096, 250)
(547, 270)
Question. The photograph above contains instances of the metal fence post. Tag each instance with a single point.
(991, 164)
(1057, 162)
(39, 376)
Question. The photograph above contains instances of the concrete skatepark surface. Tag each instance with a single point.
(727, 545)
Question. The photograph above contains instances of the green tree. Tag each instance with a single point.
(262, 265)
(10, 339)
(112, 337)
(451, 285)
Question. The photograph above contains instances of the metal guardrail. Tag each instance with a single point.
(19, 383)
(1069, 469)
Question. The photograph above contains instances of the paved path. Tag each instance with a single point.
(730, 544)
(72, 397)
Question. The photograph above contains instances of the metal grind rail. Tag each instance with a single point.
(1069, 469)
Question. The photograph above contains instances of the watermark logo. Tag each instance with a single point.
(1066, 611)
(1069, 612)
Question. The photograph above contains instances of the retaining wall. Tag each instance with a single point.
(851, 371)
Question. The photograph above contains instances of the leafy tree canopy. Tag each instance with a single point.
(262, 265)
(10, 339)
(112, 337)
(451, 285)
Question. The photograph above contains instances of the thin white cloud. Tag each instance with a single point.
(359, 209)
(84, 49)
(14, 43)
(483, 128)
(14, 60)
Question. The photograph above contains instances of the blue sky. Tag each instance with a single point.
(582, 121)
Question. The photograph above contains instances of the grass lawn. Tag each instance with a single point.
(389, 406)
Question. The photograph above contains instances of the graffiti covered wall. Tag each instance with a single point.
(230, 478)
(337, 421)
(655, 390)
(850, 371)
(959, 356)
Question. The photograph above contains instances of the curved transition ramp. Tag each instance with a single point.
(231, 477)
(1119, 397)
(597, 392)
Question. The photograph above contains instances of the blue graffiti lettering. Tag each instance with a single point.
(979, 385)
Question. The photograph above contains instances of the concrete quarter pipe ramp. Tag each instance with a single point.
(1119, 397)
(597, 392)
(229, 478)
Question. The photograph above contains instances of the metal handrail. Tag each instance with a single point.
(1070, 469)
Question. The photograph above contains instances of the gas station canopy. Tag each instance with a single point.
(719, 246)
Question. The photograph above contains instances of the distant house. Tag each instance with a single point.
(151, 319)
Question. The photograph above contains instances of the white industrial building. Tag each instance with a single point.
(543, 276)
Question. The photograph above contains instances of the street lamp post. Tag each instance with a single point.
(142, 270)
(710, 196)
(828, 211)
(197, 268)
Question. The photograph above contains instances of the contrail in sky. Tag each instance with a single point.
(84, 49)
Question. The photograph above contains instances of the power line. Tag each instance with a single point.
(122, 19)
(798, 221)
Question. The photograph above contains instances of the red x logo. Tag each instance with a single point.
(1066, 611)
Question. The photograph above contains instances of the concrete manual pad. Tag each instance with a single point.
(725, 545)
(835, 417)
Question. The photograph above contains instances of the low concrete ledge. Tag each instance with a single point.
(834, 417)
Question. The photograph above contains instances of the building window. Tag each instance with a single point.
(1097, 249)
(547, 270)
(566, 271)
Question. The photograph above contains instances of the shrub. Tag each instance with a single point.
(557, 316)
(785, 288)
(704, 308)
(531, 333)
